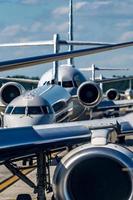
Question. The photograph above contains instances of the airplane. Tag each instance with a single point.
(51, 103)
(71, 81)
(66, 74)
(16, 143)
(101, 163)
(47, 104)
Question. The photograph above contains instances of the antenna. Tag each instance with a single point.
(70, 33)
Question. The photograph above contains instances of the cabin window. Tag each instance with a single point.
(59, 106)
(67, 84)
(18, 110)
(9, 110)
(34, 110)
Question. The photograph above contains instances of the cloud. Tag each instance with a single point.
(58, 27)
(125, 24)
(99, 4)
(36, 26)
(27, 2)
(80, 5)
(127, 36)
(30, 1)
(60, 11)
(64, 10)
(12, 30)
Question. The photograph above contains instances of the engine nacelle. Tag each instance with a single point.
(112, 94)
(89, 94)
(10, 91)
(90, 172)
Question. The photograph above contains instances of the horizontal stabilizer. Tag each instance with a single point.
(51, 43)
(23, 80)
(111, 80)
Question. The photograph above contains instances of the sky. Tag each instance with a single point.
(94, 20)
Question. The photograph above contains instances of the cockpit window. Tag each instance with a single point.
(9, 110)
(34, 110)
(46, 110)
(78, 79)
(19, 110)
(31, 110)
(67, 84)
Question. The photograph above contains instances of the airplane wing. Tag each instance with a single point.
(27, 62)
(17, 142)
(109, 104)
(23, 141)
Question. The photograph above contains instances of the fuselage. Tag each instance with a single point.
(69, 78)
(43, 105)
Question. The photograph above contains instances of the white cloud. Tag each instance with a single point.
(12, 30)
(80, 5)
(58, 27)
(36, 26)
(64, 10)
(125, 23)
(30, 1)
(60, 11)
(127, 36)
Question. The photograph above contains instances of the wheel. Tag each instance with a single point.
(24, 197)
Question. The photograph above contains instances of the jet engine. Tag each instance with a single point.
(112, 94)
(89, 94)
(98, 173)
(9, 91)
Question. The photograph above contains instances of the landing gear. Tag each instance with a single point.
(28, 161)
(43, 176)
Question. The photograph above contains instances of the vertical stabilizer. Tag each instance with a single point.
(55, 63)
(101, 84)
(130, 84)
(93, 72)
(70, 33)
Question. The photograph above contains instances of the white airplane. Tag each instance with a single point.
(53, 103)
(65, 75)
(46, 104)
(102, 165)
(38, 140)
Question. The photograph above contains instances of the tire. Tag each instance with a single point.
(24, 197)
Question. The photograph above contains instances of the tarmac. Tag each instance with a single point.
(19, 187)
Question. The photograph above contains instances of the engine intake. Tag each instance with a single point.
(89, 94)
(10, 91)
(112, 94)
(98, 173)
